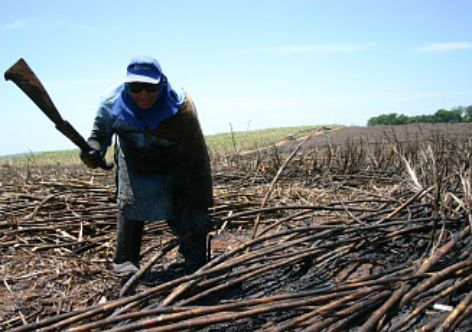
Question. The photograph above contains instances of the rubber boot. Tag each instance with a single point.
(128, 240)
(194, 249)
(192, 241)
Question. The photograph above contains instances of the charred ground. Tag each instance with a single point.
(357, 228)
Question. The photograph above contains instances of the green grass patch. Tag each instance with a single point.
(239, 141)
(224, 143)
(65, 157)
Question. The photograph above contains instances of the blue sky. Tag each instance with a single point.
(252, 63)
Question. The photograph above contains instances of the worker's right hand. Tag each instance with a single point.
(92, 158)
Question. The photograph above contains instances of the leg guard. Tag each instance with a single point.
(194, 250)
(192, 225)
(128, 240)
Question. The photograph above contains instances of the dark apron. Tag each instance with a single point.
(148, 182)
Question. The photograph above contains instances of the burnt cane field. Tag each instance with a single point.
(333, 229)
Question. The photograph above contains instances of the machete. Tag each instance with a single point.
(24, 77)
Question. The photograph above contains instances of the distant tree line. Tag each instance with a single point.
(454, 115)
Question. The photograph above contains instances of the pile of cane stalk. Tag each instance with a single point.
(314, 237)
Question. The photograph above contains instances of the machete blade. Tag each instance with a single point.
(24, 77)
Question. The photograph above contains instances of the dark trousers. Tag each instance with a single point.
(192, 235)
(129, 235)
(190, 225)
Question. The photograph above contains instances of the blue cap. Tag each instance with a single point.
(144, 69)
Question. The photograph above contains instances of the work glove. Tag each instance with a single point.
(92, 158)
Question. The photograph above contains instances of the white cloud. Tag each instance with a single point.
(447, 46)
(52, 23)
(314, 48)
(18, 24)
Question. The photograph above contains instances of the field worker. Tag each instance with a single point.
(162, 164)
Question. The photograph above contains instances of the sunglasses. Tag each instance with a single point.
(138, 87)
